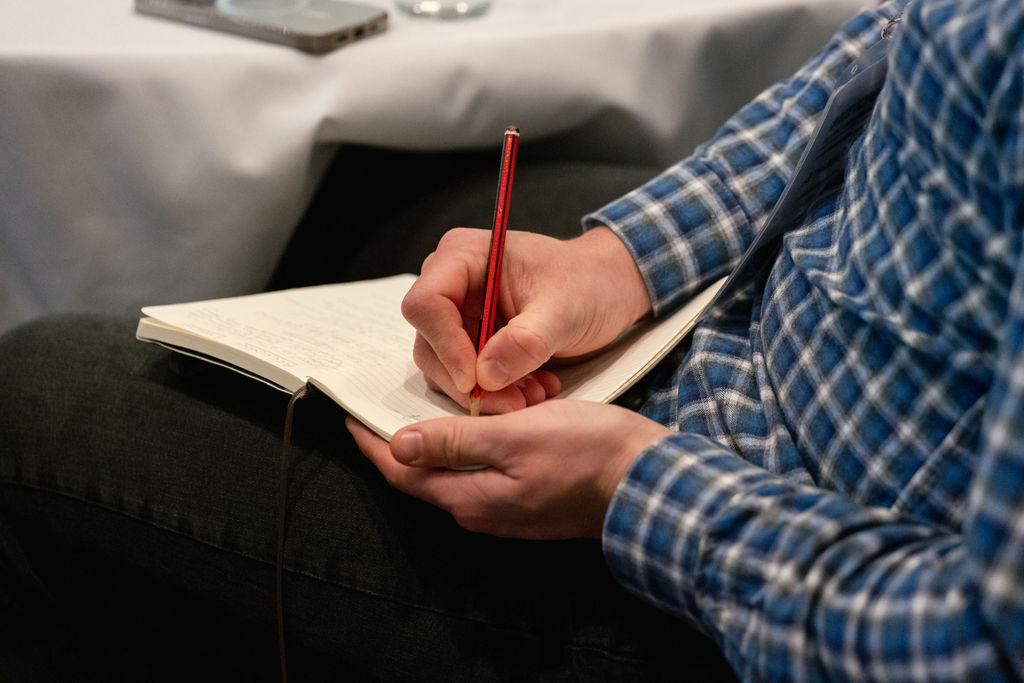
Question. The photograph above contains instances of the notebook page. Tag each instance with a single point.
(404, 397)
(350, 338)
(606, 376)
(352, 342)
(388, 398)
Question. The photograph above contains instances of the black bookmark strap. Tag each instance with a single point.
(282, 515)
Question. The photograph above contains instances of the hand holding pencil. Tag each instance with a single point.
(490, 308)
(527, 298)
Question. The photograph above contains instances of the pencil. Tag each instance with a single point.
(499, 227)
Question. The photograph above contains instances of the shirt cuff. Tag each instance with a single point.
(685, 229)
(657, 521)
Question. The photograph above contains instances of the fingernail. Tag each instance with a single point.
(407, 446)
(464, 382)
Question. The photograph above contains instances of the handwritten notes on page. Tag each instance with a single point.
(350, 339)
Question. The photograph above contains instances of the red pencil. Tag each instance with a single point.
(489, 309)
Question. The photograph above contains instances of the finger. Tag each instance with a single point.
(549, 381)
(517, 349)
(432, 306)
(451, 443)
(445, 488)
(531, 390)
(431, 485)
(513, 397)
(373, 446)
(436, 374)
(538, 386)
(433, 386)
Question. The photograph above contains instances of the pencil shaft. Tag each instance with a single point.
(499, 228)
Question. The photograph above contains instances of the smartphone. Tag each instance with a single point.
(315, 26)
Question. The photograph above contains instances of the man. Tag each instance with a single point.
(825, 480)
(829, 483)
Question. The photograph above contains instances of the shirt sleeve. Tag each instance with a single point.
(799, 583)
(691, 224)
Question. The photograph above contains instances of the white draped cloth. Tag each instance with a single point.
(144, 161)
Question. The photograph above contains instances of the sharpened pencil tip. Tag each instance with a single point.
(474, 406)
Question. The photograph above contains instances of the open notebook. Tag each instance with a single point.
(351, 342)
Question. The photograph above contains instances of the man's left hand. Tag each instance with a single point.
(544, 472)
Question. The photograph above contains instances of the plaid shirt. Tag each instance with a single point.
(844, 496)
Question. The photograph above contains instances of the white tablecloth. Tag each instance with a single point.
(144, 161)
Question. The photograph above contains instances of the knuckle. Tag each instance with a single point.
(533, 391)
(413, 304)
(452, 238)
(427, 260)
(422, 354)
(452, 440)
(530, 343)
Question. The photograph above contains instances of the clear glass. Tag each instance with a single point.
(444, 9)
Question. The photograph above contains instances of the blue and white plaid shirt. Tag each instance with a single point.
(844, 498)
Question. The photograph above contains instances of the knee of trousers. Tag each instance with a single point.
(53, 366)
(37, 355)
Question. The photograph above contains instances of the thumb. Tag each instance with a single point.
(525, 343)
(456, 443)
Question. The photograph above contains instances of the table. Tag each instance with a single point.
(146, 161)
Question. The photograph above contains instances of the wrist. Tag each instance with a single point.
(619, 269)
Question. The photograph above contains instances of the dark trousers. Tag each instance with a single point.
(138, 519)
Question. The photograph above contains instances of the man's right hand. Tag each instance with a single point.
(557, 299)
